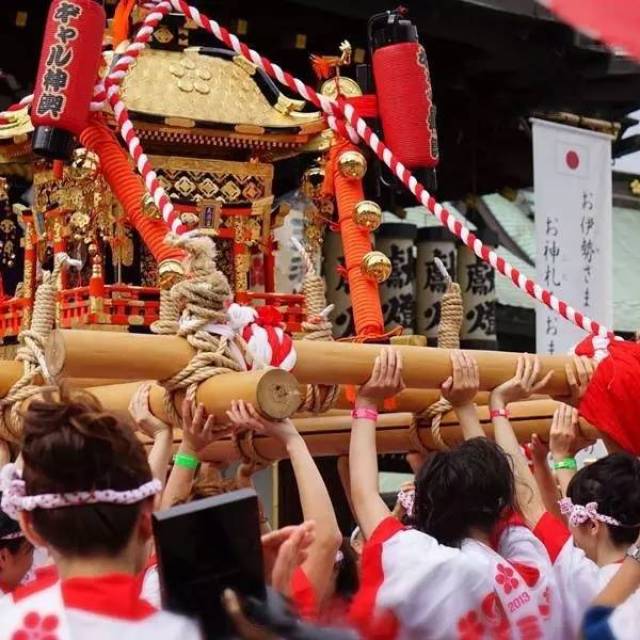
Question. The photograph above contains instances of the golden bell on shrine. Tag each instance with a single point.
(367, 214)
(376, 265)
(352, 165)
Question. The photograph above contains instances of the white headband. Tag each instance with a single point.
(12, 536)
(579, 514)
(14, 498)
(407, 500)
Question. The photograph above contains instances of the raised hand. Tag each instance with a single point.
(243, 416)
(283, 550)
(525, 383)
(539, 450)
(461, 387)
(565, 439)
(386, 378)
(198, 429)
(142, 416)
(579, 374)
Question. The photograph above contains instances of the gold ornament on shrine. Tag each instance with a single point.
(149, 208)
(367, 214)
(312, 181)
(352, 165)
(376, 265)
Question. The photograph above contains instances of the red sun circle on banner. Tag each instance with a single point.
(572, 159)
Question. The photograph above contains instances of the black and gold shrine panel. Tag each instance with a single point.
(191, 180)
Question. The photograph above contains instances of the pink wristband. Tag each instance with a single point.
(499, 413)
(364, 414)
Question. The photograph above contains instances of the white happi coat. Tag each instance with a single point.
(413, 588)
(579, 579)
(40, 560)
(105, 608)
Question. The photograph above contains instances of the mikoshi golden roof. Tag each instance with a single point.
(212, 88)
(15, 143)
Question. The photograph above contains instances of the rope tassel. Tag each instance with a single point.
(31, 351)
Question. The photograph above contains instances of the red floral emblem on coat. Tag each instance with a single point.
(506, 578)
(470, 627)
(545, 606)
(495, 615)
(36, 627)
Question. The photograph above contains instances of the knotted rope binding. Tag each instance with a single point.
(316, 326)
(201, 298)
(31, 352)
(451, 315)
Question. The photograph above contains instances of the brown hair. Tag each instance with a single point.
(71, 444)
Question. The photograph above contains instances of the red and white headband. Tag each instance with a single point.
(579, 514)
(406, 498)
(12, 536)
(14, 498)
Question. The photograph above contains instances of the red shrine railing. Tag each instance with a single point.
(126, 305)
(12, 312)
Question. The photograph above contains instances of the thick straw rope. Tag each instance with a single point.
(316, 326)
(31, 352)
(452, 311)
(169, 315)
(201, 297)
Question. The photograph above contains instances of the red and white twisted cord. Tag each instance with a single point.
(97, 104)
(125, 126)
(345, 119)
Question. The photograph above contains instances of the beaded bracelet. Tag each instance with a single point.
(186, 461)
(499, 413)
(567, 463)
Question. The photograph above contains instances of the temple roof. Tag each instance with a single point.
(15, 145)
(17, 127)
(212, 88)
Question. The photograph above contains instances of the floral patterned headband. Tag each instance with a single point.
(407, 499)
(14, 498)
(579, 514)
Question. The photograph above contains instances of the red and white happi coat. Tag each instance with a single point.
(40, 560)
(413, 588)
(104, 608)
(579, 579)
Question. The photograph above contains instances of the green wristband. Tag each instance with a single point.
(186, 461)
(567, 463)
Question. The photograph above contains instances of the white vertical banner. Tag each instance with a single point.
(572, 183)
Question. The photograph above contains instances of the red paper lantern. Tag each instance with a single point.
(68, 70)
(403, 88)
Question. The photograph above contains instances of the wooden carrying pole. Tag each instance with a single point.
(10, 372)
(216, 397)
(77, 354)
(274, 393)
(395, 433)
(409, 400)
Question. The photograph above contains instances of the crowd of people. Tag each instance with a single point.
(485, 543)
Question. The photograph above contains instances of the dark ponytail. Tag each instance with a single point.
(469, 487)
(71, 444)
